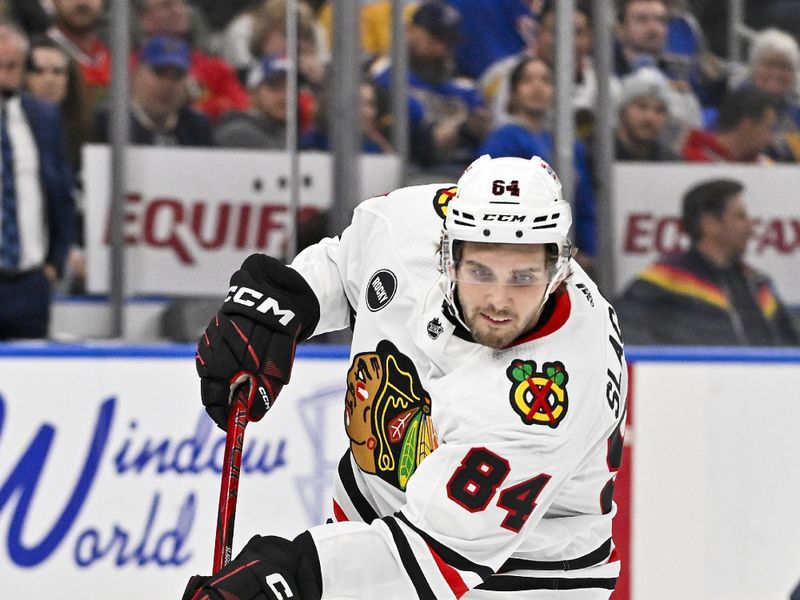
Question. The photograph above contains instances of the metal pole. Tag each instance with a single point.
(565, 78)
(119, 135)
(604, 146)
(400, 131)
(292, 12)
(735, 21)
(344, 121)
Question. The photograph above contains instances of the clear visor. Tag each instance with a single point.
(470, 272)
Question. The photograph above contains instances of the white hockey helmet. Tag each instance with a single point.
(508, 200)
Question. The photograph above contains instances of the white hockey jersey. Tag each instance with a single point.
(471, 471)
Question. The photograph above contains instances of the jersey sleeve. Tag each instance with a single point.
(334, 269)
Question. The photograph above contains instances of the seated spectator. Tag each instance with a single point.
(707, 295)
(76, 28)
(54, 76)
(159, 113)
(641, 41)
(744, 133)
(263, 125)
(213, 84)
(528, 134)
(373, 140)
(773, 69)
(494, 81)
(448, 119)
(643, 111)
(261, 32)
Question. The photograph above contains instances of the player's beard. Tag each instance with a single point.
(485, 334)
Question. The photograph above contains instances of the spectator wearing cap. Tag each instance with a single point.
(213, 85)
(263, 125)
(160, 115)
(747, 118)
(643, 113)
(447, 115)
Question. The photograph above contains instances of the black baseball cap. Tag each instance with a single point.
(439, 19)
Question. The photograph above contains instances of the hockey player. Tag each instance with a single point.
(485, 400)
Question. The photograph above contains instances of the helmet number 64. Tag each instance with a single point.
(500, 187)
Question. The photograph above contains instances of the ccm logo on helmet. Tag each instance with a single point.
(249, 297)
(508, 218)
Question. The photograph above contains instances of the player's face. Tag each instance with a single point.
(501, 289)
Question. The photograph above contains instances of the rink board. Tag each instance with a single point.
(109, 471)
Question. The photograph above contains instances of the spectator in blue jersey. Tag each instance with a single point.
(494, 81)
(493, 30)
(448, 118)
(528, 134)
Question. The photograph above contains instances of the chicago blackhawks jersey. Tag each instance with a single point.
(472, 471)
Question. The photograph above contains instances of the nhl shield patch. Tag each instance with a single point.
(539, 397)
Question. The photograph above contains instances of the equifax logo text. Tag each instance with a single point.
(646, 232)
(253, 298)
(189, 228)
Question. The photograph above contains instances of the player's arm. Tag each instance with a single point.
(269, 308)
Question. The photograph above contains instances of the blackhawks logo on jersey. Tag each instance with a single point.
(442, 199)
(539, 398)
(387, 415)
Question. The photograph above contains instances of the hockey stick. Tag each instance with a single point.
(231, 468)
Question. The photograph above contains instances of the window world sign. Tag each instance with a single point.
(109, 469)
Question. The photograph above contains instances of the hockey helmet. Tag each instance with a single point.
(508, 200)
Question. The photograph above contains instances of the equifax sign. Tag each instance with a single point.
(185, 227)
(192, 215)
(647, 232)
(647, 209)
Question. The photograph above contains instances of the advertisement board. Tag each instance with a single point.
(647, 211)
(110, 470)
(192, 215)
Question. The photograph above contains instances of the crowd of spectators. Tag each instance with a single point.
(480, 80)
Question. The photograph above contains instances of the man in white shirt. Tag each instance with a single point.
(37, 218)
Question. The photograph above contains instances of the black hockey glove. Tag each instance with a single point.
(269, 308)
(268, 568)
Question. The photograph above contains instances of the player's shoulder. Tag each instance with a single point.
(589, 307)
(423, 204)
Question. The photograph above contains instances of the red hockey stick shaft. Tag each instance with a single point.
(231, 469)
